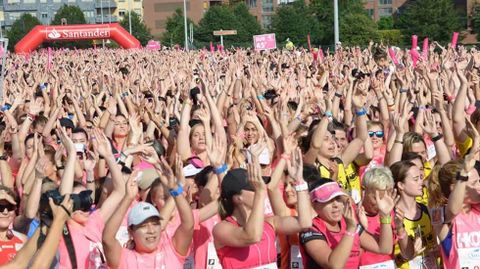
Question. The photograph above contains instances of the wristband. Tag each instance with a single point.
(260, 97)
(4, 157)
(450, 98)
(471, 109)
(91, 181)
(477, 103)
(285, 156)
(361, 112)
(176, 192)
(339, 95)
(328, 114)
(60, 167)
(386, 220)
(436, 138)
(459, 177)
(347, 233)
(301, 187)
(398, 141)
(221, 169)
(403, 90)
(422, 108)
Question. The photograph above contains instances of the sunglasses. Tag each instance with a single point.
(378, 134)
(9, 207)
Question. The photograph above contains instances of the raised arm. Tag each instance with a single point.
(183, 145)
(66, 185)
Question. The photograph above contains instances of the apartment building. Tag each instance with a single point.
(382, 8)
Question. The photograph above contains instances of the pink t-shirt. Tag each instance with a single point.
(202, 238)
(165, 257)
(370, 258)
(87, 241)
(461, 248)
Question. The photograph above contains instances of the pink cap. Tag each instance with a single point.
(326, 192)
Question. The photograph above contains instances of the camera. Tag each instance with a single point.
(81, 201)
(194, 95)
(358, 74)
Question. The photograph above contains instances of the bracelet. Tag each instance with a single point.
(471, 109)
(90, 181)
(361, 112)
(402, 235)
(328, 114)
(301, 187)
(398, 141)
(403, 90)
(221, 169)
(386, 220)
(422, 107)
(339, 95)
(436, 138)
(459, 177)
(347, 233)
(4, 157)
(477, 103)
(285, 156)
(260, 97)
(60, 167)
(450, 98)
(299, 118)
(176, 192)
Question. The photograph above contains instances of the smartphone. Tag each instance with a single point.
(79, 147)
(194, 95)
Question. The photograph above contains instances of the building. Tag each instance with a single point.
(95, 11)
(382, 8)
(157, 11)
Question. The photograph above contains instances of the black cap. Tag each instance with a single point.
(67, 123)
(234, 182)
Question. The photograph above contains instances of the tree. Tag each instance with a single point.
(226, 17)
(476, 19)
(174, 30)
(350, 12)
(139, 29)
(385, 23)
(73, 15)
(20, 28)
(436, 19)
(295, 21)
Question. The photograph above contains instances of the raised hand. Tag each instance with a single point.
(101, 143)
(387, 202)
(131, 187)
(429, 124)
(65, 139)
(289, 144)
(150, 155)
(255, 175)
(64, 210)
(217, 151)
(349, 215)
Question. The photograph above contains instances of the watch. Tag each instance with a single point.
(462, 178)
(3, 157)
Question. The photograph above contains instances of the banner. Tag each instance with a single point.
(264, 42)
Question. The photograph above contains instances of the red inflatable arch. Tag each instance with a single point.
(42, 33)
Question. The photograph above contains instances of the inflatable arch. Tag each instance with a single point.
(43, 33)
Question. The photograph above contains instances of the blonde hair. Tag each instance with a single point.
(372, 123)
(435, 196)
(411, 138)
(379, 178)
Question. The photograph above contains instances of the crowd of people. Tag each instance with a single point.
(241, 159)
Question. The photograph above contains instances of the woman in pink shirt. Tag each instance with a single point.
(151, 248)
(246, 238)
(459, 235)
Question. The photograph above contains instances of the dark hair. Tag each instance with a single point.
(400, 170)
(80, 130)
(411, 156)
(201, 178)
(98, 188)
(29, 136)
(40, 119)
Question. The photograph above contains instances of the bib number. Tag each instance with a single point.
(295, 258)
(469, 258)
(421, 262)
(382, 265)
(212, 258)
(267, 266)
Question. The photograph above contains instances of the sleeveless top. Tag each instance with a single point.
(461, 247)
(290, 248)
(256, 255)
(319, 231)
(8, 249)
(423, 228)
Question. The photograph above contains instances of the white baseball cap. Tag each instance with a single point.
(141, 212)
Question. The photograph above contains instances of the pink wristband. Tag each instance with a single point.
(470, 109)
(347, 233)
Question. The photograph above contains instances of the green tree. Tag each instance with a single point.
(436, 19)
(20, 28)
(174, 29)
(385, 23)
(226, 17)
(139, 29)
(295, 21)
(476, 19)
(73, 15)
(355, 24)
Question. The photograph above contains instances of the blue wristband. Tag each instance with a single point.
(361, 112)
(328, 114)
(221, 169)
(176, 192)
(260, 97)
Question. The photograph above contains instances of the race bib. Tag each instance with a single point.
(382, 265)
(421, 262)
(356, 196)
(469, 258)
(436, 215)
(295, 258)
(272, 265)
(212, 258)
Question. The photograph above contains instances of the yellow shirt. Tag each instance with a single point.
(465, 146)
(347, 177)
(424, 227)
(427, 169)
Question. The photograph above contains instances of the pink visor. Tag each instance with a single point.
(326, 192)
